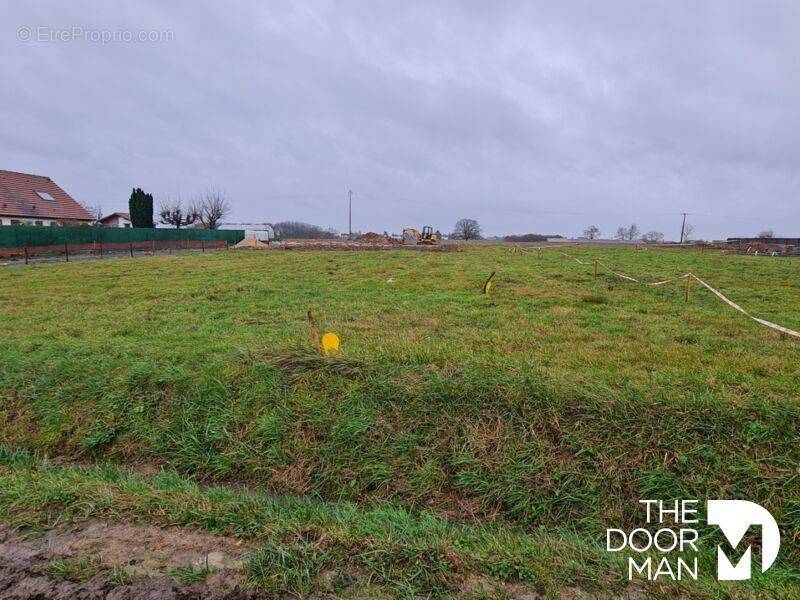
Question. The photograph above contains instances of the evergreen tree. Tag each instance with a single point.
(140, 207)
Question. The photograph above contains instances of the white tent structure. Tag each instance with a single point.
(260, 231)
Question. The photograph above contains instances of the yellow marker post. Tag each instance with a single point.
(487, 287)
(330, 344)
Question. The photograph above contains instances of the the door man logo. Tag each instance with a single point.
(679, 543)
(734, 518)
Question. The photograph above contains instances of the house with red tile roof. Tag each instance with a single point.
(36, 200)
(116, 219)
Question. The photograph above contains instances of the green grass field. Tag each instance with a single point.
(456, 438)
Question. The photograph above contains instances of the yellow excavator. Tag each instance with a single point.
(412, 235)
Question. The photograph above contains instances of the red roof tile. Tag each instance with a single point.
(18, 198)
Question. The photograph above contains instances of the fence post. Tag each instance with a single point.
(131, 248)
(596, 267)
(26, 254)
(66, 251)
(202, 246)
(688, 287)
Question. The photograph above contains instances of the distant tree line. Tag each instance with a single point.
(529, 237)
(300, 230)
(627, 233)
(206, 211)
(630, 233)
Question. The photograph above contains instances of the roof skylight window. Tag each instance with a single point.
(45, 196)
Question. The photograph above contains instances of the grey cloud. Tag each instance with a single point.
(529, 116)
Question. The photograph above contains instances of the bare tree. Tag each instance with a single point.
(592, 232)
(212, 207)
(767, 233)
(173, 213)
(96, 210)
(653, 237)
(687, 232)
(466, 229)
(627, 233)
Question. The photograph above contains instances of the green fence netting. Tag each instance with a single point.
(15, 236)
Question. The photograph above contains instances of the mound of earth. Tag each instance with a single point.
(375, 238)
(251, 242)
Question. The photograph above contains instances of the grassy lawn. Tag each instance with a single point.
(456, 435)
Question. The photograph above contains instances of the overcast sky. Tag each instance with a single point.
(530, 117)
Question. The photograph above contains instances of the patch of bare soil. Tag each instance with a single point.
(476, 587)
(375, 238)
(119, 562)
(379, 243)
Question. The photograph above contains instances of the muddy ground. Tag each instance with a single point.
(115, 561)
(120, 562)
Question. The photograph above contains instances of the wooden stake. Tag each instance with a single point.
(26, 255)
(688, 287)
(596, 267)
(315, 339)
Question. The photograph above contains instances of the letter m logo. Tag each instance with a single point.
(734, 518)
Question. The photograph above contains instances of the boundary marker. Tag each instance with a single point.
(689, 277)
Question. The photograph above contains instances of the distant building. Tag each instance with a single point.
(260, 231)
(783, 241)
(116, 219)
(37, 200)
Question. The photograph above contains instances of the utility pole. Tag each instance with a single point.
(350, 215)
(683, 226)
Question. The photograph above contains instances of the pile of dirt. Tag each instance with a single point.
(251, 242)
(79, 563)
(375, 238)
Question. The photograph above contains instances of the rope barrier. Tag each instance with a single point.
(733, 304)
(717, 293)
